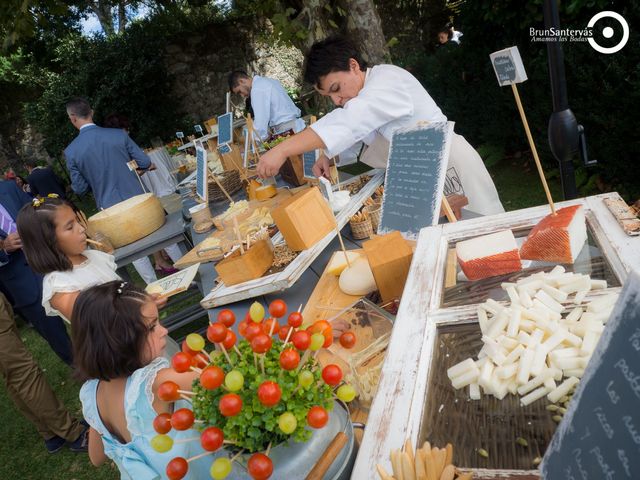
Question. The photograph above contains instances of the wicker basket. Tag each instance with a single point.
(229, 180)
(374, 212)
(130, 220)
(361, 230)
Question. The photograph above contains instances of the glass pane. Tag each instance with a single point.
(590, 262)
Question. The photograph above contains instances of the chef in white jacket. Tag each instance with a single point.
(375, 102)
(273, 110)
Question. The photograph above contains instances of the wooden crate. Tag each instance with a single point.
(292, 171)
(389, 257)
(253, 264)
(304, 219)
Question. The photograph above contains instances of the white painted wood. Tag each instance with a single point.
(396, 412)
(223, 295)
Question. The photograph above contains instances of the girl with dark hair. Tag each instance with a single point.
(375, 102)
(55, 244)
(118, 342)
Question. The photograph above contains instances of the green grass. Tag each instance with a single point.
(22, 450)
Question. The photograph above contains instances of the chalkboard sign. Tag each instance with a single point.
(224, 149)
(225, 129)
(202, 173)
(599, 437)
(180, 134)
(508, 66)
(416, 171)
(198, 129)
(308, 161)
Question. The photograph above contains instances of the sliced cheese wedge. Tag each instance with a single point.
(339, 262)
(489, 255)
(357, 279)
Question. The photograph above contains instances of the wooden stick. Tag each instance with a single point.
(186, 392)
(226, 354)
(203, 454)
(533, 148)
(344, 250)
(215, 178)
(447, 210)
(268, 450)
(291, 329)
(184, 397)
(96, 243)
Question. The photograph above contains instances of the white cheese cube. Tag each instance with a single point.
(461, 368)
(506, 371)
(533, 396)
(598, 284)
(562, 389)
(513, 295)
(575, 372)
(574, 315)
(557, 295)
(546, 299)
(550, 383)
(474, 391)
(539, 361)
(465, 379)
(524, 368)
(579, 298)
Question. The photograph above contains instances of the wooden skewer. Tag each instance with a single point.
(215, 178)
(237, 232)
(95, 242)
(344, 250)
(186, 392)
(203, 454)
(533, 148)
(226, 354)
(447, 210)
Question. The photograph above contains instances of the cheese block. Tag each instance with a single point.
(357, 279)
(557, 238)
(339, 261)
(265, 192)
(489, 255)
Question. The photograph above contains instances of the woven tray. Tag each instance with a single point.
(231, 182)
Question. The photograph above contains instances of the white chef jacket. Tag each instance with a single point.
(272, 106)
(392, 98)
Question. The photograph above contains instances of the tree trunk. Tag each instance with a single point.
(315, 17)
(364, 28)
(102, 9)
(122, 16)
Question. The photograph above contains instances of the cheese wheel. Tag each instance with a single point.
(358, 279)
(265, 192)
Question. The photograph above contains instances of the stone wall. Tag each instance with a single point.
(200, 64)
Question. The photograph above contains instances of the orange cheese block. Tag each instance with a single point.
(489, 255)
(557, 238)
(265, 192)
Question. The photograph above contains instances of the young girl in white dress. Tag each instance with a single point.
(118, 342)
(55, 244)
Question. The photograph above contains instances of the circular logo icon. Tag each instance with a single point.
(608, 32)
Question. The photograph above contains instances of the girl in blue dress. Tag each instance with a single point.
(118, 342)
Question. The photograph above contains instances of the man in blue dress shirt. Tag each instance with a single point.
(273, 110)
(98, 159)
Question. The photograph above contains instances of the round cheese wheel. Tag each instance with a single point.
(357, 279)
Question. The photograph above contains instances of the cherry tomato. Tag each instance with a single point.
(332, 375)
(211, 439)
(168, 391)
(216, 332)
(230, 340)
(348, 339)
(323, 327)
(177, 468)
(212, 377)
(260, 466)
(182, 419)
(301, 339)
(181, 362)
(261, 343)
(242, 328)
(253, 330)
(317, 417)
(278, 309)
(269, 324)
(289, 359)
(162, 423)
(283, 333)
(269, 393)
(230, 404)
(185, 348)
(226, 317)
(295, 319)
(199, 360)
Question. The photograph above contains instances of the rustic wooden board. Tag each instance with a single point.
(223, 295)
(191, 257)
(397, 411)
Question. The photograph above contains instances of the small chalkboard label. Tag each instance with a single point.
(225, 128)
(224, 149)
(198, 129)
(308, 161)
(508, 66)
(180, 134)
(416, 172)
(599, 437)
(202, 173)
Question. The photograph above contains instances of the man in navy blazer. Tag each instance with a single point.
(98, 158)
(21, 285)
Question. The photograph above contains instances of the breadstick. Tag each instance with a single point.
(408, 448)
(449, 455)
(439, 456)
(430, 466)
(408, 471)
(465, 476)
(396, 464)
(383, 473)
(448, 473)
(421, 472)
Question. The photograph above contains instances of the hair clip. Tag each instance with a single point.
(36, 202)
(53, 195)
(122, 285)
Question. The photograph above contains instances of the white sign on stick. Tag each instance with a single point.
(508, 66)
